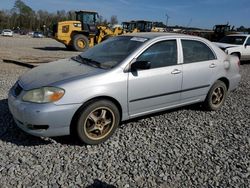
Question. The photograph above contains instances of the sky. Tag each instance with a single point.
(193, 13)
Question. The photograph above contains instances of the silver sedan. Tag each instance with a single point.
(122, 78)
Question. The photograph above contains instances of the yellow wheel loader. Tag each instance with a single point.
(137, 26)
(84, 32)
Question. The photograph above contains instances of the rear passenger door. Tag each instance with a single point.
(199, 65)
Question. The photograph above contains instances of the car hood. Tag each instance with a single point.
(50, 73)
(225, 45)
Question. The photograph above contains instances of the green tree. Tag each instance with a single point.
(26, 16)
(113, 20)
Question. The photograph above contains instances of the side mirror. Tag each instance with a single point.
(247, 45)
(140, 65)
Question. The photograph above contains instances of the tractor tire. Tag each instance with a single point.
(80, 43)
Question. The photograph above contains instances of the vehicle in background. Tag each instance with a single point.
(7, 33)
(31, 33)
(84, 32)
(121, 78)
(38, 34)
(220, 31)
(236, 44)
(135, 26)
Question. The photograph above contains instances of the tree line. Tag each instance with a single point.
(23, 18)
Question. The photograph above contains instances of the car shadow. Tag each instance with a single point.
(9, 132)
(47, 48)
(244, 62)
(100, 184)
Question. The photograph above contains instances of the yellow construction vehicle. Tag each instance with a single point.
(139, 26)
(129, 27)
(84, 32)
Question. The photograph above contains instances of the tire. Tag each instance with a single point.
(216, 96)
(97, 122)
(80, 43)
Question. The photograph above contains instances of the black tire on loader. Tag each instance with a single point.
(80, 43)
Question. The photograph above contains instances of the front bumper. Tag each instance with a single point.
(56, 118)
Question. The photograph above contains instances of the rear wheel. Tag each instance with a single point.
(80, 42)
(216, 96)
(97, 122)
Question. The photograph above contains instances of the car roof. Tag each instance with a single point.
(151, 35)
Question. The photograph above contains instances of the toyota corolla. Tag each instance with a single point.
(122, 78)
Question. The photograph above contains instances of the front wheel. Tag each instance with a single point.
(97, 122)
(216, 96)
(80, 42)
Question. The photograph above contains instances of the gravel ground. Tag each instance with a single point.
(32, 50)
(185, 147)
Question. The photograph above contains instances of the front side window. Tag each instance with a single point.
(160, 54)
(196, 51)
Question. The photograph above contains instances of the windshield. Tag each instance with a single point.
(233, 40)
(113, 51)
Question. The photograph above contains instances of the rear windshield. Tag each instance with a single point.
(233, 40)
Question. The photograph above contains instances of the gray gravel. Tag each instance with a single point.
(33, 50)
(186, 147)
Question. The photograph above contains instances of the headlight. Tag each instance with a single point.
(44, 95)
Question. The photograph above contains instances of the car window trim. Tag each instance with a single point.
(151, 44)
(202, 41)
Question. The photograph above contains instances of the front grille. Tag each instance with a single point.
(17, 89)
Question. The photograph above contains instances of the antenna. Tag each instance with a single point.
(167, 18)
(189, 23)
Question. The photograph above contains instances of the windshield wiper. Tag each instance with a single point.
(91, 62)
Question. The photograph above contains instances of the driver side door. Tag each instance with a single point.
(158, 87)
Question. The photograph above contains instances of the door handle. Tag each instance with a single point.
(212, 65)
(176, 71)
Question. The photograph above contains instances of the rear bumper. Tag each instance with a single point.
(234, 83)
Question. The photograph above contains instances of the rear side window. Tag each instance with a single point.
(196, 51)
(161, 54)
